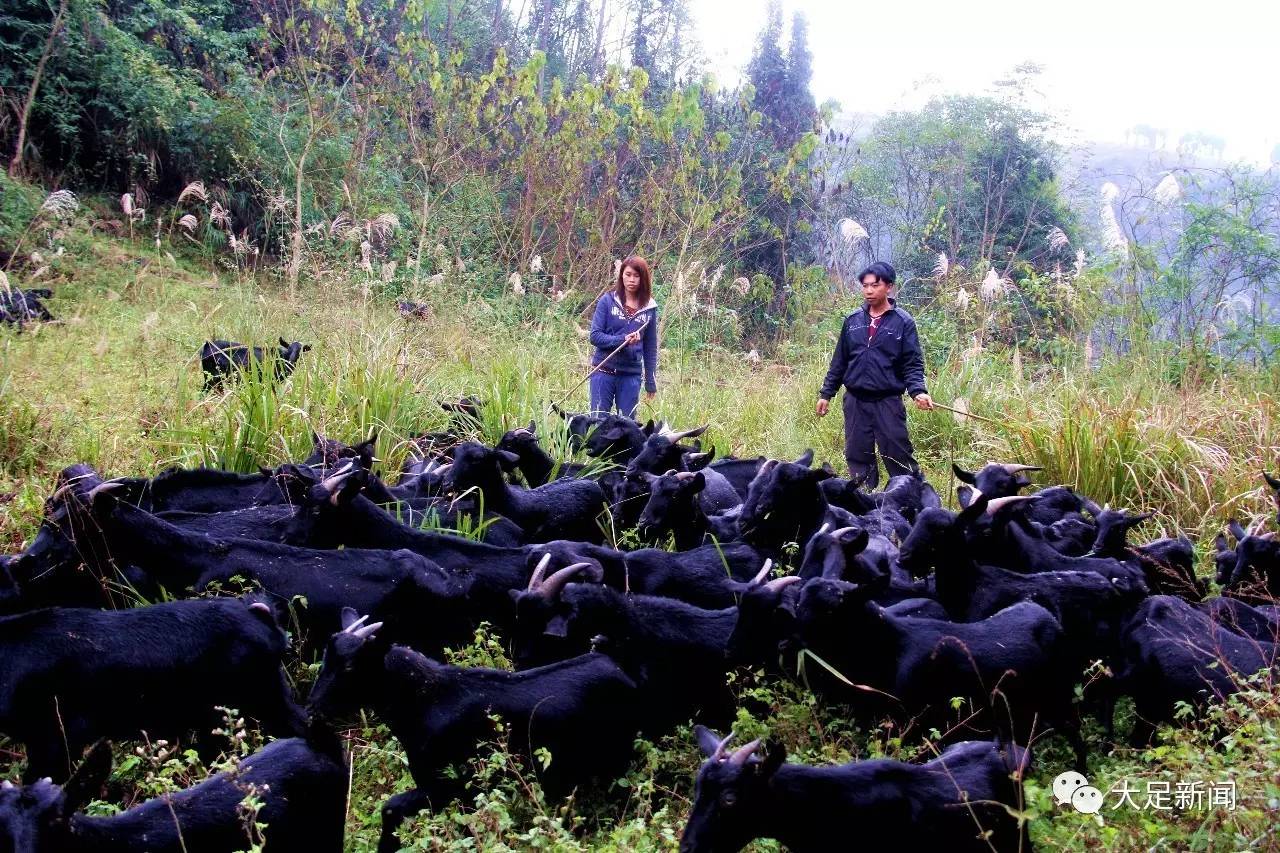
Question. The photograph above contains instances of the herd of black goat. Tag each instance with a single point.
(1002, 604)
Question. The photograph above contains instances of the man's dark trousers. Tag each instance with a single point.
(872, 422)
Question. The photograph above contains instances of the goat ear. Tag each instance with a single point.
(963, 475)
(973, 511)
(1271, 481)
(284, 343)
(612, 433)
(507, 460)
(648, 427)
(708, 741)
(349, 617)
(1236, 530)
(89, 777)
(557, 627)
(306, 347)
(964, 494)
(533, 428)
(805, 459)
(698, 483)
(1220, 543)
(775, 755)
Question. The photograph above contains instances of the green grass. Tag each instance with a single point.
(116, 383)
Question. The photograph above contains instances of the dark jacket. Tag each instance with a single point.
(611, 324)
(891, 364)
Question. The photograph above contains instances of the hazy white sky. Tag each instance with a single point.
(1108, 64)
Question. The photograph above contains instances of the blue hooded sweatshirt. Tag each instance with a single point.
(611, 324)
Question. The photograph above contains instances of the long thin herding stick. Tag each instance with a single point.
(591, 372)
(938, 405)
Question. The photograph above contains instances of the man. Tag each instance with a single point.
(877, 358)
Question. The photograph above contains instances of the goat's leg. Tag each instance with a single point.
(396, 811)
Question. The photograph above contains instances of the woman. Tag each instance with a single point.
(625, 317)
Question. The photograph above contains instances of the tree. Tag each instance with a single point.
(798, 113)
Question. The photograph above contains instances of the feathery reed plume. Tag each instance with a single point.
(942, 266)
(340, 225)
(1057, 239)
(220, 216)
(379, 229)
(742, 284)
(194, 190)
(516, 283)
(991, 286)
(535, 264)
(60, 204)
(962, 299)
(1168, 190)
(188, 223)
(851, 231)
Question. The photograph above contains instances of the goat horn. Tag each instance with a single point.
(823, 529)
(674, 436)
(555, 584)
(260, 607)
(685, 475)
(1014, 468)
(742, 753)
(779, 584)
(836, 534)
(535, 580)
(355, 626)
(719, 754)
(108, 486)
(520, 431)
(365, 632)
(1267, 537)
(334, 482)
(996, 504)
(6, 785)
(763, 573)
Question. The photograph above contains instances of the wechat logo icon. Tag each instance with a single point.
(1073, 789)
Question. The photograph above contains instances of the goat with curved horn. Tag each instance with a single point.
(674, 436)
(720, 754)
(102, 488)
(1015, 468)
(553, 586)
(743, 753)
(763, 573)
(535, 580)
(996, 504)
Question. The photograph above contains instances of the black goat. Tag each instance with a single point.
(581, 710)
(676, 651)
(414, 595)
(18, 307)
(784, 504)
(1168, 564)
(662, 450)
(562, 509)
(1260, 623)
(535, 464)
(710, 576)
(965, 799)
(71, 676)
(221, 360)
(1010, 665)
(996, 479)
(300, 783)
(1172, 652)
(1256, 574)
